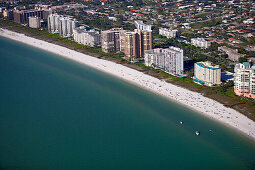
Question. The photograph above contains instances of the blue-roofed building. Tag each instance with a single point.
(246, 64)
(207, 74)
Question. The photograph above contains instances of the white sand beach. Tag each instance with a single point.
(193, 100)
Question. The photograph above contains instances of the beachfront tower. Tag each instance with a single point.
(207, 74)
(113, 40)
(144, 32)
(244, 80)
(34, 22)
(169, 60)
(90, 38)
(144, 40)
(131, 49)
(61, 24)
(53, 23)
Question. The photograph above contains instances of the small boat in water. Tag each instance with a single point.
(181, 122)
(197, 133)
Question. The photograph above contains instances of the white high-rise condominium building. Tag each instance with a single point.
(141, 26)
(244, 80)
(169, 60)
(62, 25)
(53, 23)
(90, 38)
(200, 42)
(66, 26)
(169, 33)
(207, 74)
(154, 58)
(34, 22)
(174, 60)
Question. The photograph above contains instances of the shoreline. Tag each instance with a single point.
(192, 100)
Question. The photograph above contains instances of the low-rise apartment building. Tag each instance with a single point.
(141, 26)
(169, 33)
(232, 53)
(200, 42)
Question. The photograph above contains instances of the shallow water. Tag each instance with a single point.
(58, 114)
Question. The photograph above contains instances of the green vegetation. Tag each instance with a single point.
(142, 65)
(209, 23)
(196, 53)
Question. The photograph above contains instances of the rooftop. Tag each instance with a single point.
(246, 63)
(199, 39)
(245, 66)
(208, 65)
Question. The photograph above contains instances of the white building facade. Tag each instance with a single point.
(61, 24)
(207, 74)
(34, 22)
(90, 38)
(141, 26)
(169, 33)
(200, 42)
(53, 23)
(244, 80)
(169, 60)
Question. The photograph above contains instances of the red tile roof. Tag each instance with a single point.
(232, 39)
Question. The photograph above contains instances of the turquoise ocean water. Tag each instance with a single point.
(58, 114)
